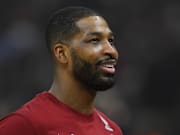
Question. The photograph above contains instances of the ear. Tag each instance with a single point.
(61, 53)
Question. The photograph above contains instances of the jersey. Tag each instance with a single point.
(46, 115)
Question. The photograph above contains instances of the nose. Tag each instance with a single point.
(109, 49)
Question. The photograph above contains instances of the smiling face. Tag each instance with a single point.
(93, 53)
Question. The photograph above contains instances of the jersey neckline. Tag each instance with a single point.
(69, 109)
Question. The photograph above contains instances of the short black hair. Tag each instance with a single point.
(61, 26)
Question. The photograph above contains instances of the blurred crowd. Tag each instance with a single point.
(146, 97)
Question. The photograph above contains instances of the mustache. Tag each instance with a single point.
(106, 59)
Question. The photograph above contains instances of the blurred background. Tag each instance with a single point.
(146, 97)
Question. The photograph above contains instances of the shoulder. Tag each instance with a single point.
(36, 106)
(25, 119)
(16, 124)
(109, 123)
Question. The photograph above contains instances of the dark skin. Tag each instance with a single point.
(94, 41)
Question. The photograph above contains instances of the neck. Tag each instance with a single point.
(73, 94)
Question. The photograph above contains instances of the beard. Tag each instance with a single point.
(90, 75)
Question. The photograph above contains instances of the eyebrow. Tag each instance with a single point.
(99, 34)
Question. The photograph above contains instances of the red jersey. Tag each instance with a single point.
(46, 115)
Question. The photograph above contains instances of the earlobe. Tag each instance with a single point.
(60, 52)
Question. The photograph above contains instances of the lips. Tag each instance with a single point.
(108, 66)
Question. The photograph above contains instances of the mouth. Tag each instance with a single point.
(108, 66)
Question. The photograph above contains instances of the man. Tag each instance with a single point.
(82, 48)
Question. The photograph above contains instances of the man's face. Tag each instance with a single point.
(93, 54)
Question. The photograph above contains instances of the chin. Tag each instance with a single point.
(103, 84)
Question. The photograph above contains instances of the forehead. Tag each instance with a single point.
(93, 24)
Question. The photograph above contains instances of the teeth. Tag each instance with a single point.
(109, 66)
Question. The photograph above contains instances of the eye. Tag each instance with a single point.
(111, 41)
(94, 40)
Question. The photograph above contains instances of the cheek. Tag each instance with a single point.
(91, 54)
